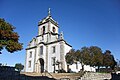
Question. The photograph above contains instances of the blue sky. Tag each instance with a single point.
(84, 23)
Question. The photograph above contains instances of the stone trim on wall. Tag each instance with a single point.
(48, 33)
(49, 43)
(55, 42)
(31, 48)
(34, 60)
(25, 61)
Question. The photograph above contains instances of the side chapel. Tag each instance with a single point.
(47, 49)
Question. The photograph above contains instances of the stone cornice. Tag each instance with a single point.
(31, 47)
(48, 20)
(55, 42)
(49, 43)
(48, 33)
(66, 43)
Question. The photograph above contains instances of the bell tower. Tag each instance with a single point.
(47, 25)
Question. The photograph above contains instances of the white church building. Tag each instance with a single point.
(46, 52)
(47, 48)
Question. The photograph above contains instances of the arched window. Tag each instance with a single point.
(53, 29)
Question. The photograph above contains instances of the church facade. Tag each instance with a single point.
(46, 52)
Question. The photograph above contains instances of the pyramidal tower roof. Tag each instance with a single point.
(48, 18)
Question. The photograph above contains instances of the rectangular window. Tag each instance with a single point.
(53, 61)
(41, 50)
(53, 49)
(43, 29)
(29, 64)
(30, 54)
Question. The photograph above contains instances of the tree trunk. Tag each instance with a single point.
(82, 66)
(98, 68)
(76, 65)
(67, 68)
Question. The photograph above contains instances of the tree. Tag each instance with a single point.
(114, 63)
(96, 56)
(8, 38)
(108, 59)
(92, 56)
(84, 56)
(19, 66)
(78, 56)
(70, 57)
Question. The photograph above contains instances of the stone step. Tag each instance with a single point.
(71, 76)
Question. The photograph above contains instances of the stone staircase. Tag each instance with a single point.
(65, 76)
(52, 76)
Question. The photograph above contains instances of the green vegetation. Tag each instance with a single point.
(92, 56)
(8, 38)
(19, 66)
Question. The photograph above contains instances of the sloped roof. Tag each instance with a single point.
(48, 19)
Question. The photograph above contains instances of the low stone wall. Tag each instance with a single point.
(96, 76)
(9, 73)
(115, 76)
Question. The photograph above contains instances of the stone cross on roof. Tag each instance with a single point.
(49, 12)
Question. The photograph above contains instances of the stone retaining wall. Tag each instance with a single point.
(96, 76)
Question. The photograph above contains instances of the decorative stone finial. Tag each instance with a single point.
(49, 12)
(61, 35)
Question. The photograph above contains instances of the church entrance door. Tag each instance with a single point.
(42, 65)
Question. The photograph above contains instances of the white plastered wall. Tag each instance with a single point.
(67, 49)
(51, 54)
(28, 58)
